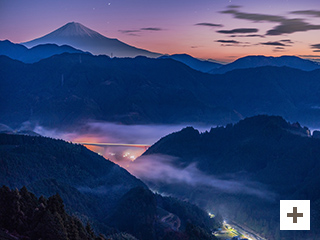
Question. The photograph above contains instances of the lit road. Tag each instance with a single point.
(246, 231)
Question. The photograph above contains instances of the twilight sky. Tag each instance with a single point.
(219, 29)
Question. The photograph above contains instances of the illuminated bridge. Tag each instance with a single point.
(144, 146)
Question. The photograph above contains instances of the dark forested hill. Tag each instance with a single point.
(24, 216)
(69, 89)
(247, 167)
(89, 184)
(93, 188)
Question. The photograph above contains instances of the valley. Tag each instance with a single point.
(159, 120)
(235, 188)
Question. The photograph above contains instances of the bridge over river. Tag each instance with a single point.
(144, 146)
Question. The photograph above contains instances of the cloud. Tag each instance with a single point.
(286, 41)
(208, 24)
(312, 13)
(130, 32)
(232, 43)
(233, 6)
(315, 46)
(151, 29)
(279, 49)
(161, 169)
(255, 17)
(289, 26)
(248, 35)
(274, 44)
(227, 41)
(239, 30)
(286, 25)
(135, 32)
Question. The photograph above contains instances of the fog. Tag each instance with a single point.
(116, 133)
(105, 132)
(161, 169)
(152, 168)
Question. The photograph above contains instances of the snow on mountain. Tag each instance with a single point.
(80, 37)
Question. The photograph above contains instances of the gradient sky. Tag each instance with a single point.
(218, 29)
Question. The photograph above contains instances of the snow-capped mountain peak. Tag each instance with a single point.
(73, 29)
(79, 36)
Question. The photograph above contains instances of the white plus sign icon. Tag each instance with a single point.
(294, 214)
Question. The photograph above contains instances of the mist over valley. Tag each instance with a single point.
(138, 120)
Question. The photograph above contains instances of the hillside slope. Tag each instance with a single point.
(93, 188)
(253, 163)
(70, 89)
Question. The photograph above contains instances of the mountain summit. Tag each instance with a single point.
(74, 29)
(79, 36)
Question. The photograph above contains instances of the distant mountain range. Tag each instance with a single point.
(34, 54)
(279, 159)
(197, 64)
(69, 89)
(244, 63)
(86, 40)
(78, 36)
(262, 61)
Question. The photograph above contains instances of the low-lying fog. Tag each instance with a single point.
(104, 132)
(154, 168)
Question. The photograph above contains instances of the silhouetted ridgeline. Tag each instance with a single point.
(69, 89)
(93, 189)
(35, 54)
(194, 63)
(262, 61)
(265, 153)
(62, 90)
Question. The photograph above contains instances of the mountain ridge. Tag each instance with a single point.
(261, 61)
(195, 63)
(91, 187)
(77, 35)
(76, 88)
(34, 54)
(249, 151)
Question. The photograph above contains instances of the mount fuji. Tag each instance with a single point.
(78, 36)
